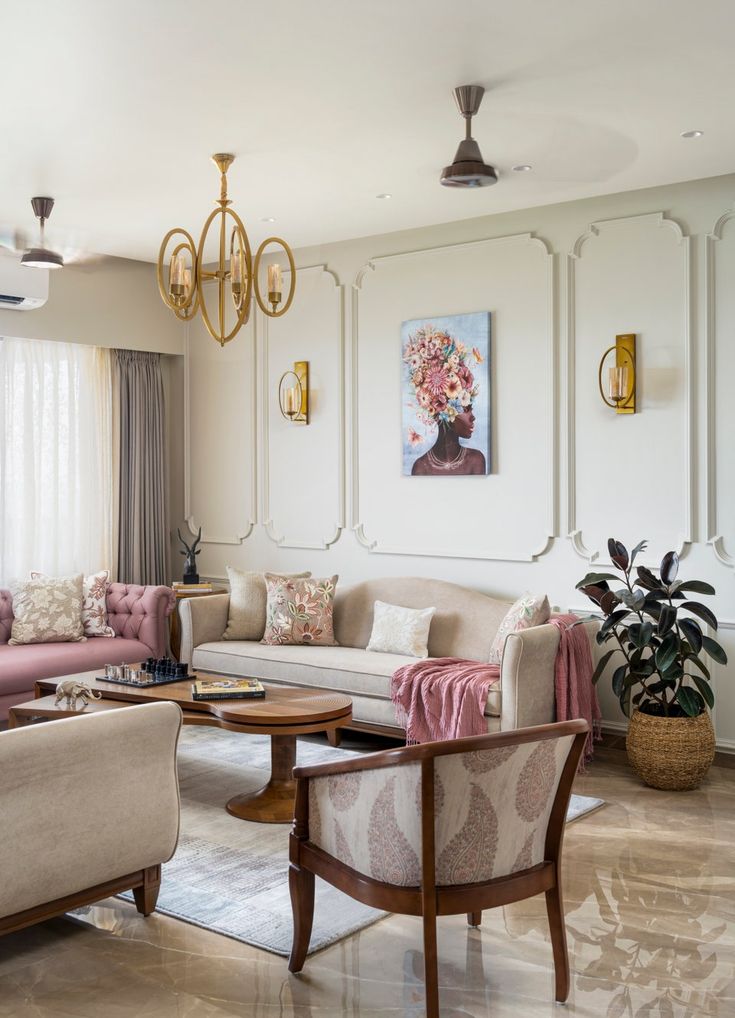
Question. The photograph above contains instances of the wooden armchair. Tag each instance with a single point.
(439, 829)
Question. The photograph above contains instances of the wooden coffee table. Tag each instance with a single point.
(286, 711)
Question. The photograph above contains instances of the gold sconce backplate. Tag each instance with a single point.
(623, 388)
(293, 398)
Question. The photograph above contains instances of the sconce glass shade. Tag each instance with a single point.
(618, 383)
(293, 393)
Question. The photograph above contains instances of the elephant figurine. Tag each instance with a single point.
(74, 690)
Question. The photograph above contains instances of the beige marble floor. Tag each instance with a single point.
(650, 888)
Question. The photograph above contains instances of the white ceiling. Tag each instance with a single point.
(114, 109)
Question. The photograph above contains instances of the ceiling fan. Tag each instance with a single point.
(40, 255)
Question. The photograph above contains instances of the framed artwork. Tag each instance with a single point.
(445, 390)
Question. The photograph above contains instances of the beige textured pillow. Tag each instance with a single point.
(47, 610)
(248, 600)
(529, 610)
(399, 630)
(94, 605)
(300, 611)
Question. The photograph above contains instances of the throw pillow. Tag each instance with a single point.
(94, 605)
(248, 599)
(47, 610)
(529, 610)
(398, 630)
(300, 611)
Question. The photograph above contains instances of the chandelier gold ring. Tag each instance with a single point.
(292, 271)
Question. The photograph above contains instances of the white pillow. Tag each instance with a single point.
(94, 605)
(529, 610)
(398, 630)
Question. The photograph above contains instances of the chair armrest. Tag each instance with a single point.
(138, 612)
(527, 675)
(203, 620)
(85, 800)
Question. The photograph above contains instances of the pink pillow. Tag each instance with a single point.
(299, 611)
(529, 610)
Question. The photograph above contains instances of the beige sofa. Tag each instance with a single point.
(464, 626)
(89, 808)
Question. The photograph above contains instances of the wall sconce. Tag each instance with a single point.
(620, 391)
(293, 393)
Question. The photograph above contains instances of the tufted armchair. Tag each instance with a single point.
(136, 613)
(439, 829)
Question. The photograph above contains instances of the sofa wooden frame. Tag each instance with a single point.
(429, 900)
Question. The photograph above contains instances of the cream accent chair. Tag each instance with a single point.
(439, 829)
(464, 626)
(89, 807)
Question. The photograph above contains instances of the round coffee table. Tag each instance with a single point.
(285, 713)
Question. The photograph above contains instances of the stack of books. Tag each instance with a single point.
(199, 587)
(227, 689)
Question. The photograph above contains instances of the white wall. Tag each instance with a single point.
(560, 282)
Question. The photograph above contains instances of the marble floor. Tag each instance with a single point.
(650, 890)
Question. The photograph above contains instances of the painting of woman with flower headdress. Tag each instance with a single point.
(446, 395)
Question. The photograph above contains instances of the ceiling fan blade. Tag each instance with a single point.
(13, 239)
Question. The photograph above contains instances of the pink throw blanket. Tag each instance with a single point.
(442, 698)
(576, 697)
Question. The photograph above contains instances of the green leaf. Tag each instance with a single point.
(689, 701)
(601, 664)
(669, 567)
(625, 702)
(592, 579)
(646, 579)
(614, 619)
(715, 651)
(638, 548)
(701, 611)
(666, 619)
(640, 633)
(700, 664)
(705, 689)
(667, 653)
(692, 632)
(618, 679)
(696, 587)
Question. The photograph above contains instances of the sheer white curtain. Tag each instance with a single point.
(57, 499)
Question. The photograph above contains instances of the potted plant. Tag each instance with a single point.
(661, 677)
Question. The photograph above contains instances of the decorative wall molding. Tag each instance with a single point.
(357, 526)
(282, 540)
(714, 538)
(574, 530)
(238, 538)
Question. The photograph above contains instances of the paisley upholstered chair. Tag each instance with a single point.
(439, 829)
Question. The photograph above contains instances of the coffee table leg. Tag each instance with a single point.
(274, 802)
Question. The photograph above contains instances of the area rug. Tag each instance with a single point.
(230, 875)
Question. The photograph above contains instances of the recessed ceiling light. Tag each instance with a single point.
(386, 195)
(268, 219)
(523, 168)
(692, 134)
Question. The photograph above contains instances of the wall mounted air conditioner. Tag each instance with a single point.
(21, 288)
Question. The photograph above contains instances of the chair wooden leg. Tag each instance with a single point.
(557, 927)
(474, 918)
(301, 886)
(334, 736)
(146, 894)
(431, 967)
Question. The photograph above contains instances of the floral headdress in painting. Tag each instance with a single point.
(440, 374)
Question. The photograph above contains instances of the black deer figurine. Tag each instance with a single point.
(190, 566)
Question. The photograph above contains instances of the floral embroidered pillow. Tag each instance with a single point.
(47, 610)
(529, 610)
(299, 611)
(94, 604)
(398, 630)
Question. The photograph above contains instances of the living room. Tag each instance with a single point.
(374, 446)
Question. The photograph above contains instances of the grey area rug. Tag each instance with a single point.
(230, 875)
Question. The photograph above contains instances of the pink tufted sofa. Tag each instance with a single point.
(138, 616)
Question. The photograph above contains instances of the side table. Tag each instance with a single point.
(174, 631)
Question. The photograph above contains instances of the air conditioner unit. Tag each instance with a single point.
(21, 288)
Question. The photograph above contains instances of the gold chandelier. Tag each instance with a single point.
(186, 275)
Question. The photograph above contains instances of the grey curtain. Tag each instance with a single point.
(143, 539)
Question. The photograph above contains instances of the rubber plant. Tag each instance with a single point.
(657, 634)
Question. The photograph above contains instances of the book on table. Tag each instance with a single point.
(227, 689)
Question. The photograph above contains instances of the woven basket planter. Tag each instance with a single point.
(672, 753)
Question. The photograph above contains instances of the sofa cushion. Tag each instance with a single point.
(20, 666)
(349, 670)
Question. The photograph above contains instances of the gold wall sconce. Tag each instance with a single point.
(293, 393)
(619, 393)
